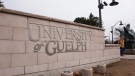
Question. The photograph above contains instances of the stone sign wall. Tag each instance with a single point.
(32, 45)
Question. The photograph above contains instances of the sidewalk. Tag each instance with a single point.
(128, 57)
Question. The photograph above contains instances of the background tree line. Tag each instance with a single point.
(91, 20)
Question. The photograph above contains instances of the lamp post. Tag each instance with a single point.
(112, 27)
(101, 6)
(1, 5)
(100, 18)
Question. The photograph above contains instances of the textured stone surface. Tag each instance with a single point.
(99, 53)
(21, 34)
(7, 46)
(36, 68)
(24, 59)
(38, 21)
(102, 46)
(79, 55)
(13, 20)
(12, 71)
(92, 53)
(5, 60)
(16, 49)
(56, 24)
(95, 59)
(94, 46)
(65, 56)
(47, 18)
(56, 65)
(72, 63)
(102, 58)
(44, 58)
(30, 47)
(6, 32)
(85, 61)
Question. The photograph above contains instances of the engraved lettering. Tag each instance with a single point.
(30, 34)
(68, 46)
(46, 48)
(58, 46)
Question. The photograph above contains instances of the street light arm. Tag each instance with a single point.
(115, 24)
(113, 28)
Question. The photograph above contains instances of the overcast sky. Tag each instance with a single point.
(70, 9)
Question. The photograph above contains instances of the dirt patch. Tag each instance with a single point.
(121, 68)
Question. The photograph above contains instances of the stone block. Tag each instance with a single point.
(102, 46)
(95, 46)
(88, 44)
(38, 21)
(44, 58)
(79, 55)
(88, 54)
(112, 51)
(21, 34)
(72, 63)
(31, 46)
(84, 61)
(57, 24)
(57, 72)
(95, 59)
(45, 73)
(72, 27)
(13, 20)
(77, 68)
(7, 46)
(109, 47)
(106, 52)
(100, 40)
(101, 69)
(6, 32)
(117, 51)
(115, 56)
(84, 29)
(100, 33)
(92, 38)
(99, 53)
(118, 56)
(24, 59)
(95, 32)
(36, 68)
(12, 71)
(57, 65)
(109, 57)
(5, 60)
(102, 58)
(65, 56)
(96, 39)
(92, 54)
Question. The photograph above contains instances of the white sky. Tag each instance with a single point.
(70, 9)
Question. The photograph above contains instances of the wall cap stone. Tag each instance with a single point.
(4, 10)
(130, 49)
(112, 45)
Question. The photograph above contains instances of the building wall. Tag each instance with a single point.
(32, 45)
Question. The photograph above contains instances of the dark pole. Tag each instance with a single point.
(100, 18)
(113, 27)
(112, 34)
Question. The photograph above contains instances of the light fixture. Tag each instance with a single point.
(113, 3)
(105, 4)
(113, 27)
(101, 6)
(121, 23)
